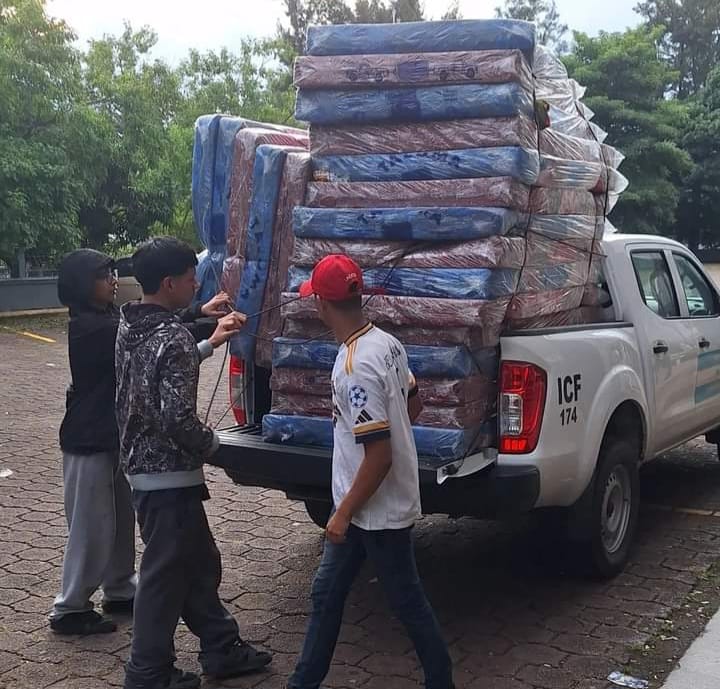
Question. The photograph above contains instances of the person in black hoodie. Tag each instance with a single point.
(100, 550)
(163, 446)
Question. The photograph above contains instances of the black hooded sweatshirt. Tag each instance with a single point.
(90, 424)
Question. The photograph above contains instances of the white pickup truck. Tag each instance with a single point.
(580, 409)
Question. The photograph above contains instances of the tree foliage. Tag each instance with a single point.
(689, 40)
(626, 84)
(51, 141)
(699, 212)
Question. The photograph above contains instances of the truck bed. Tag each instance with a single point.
(304, 473)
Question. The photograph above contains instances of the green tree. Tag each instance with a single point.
(699, 211)
(626, 84)
(544, 14)
(689, 40)
(138, 99)
(51, 150)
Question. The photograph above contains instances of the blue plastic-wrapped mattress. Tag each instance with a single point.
(521, 164)
(422, 37)
(267, 172)
(437, 283)
(408, 104)
(425, 362)
(434, 445)
(434, 224)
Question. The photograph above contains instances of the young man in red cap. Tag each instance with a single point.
(374, 481)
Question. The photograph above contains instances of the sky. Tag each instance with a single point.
(212, 24)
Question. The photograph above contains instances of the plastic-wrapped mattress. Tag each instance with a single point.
(403, 137)
(420, 104)
(425, 362)
(498, 192)
(412, 69)
(292, 193)
(434, 445)
(462, 416)
(522, 164)
(414, 311)
(269, 163)
(422, 37)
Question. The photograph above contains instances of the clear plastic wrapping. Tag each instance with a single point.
(498, 192)
(474, 338)
(437, 392)
(267, 172)
(439, 445)
(438, 283)
(519, 163)
(422, 37)
(403, 137)
(585, 315)
(240, 192)
(292, 193)
(463, 416)
(536, 304)
(414, 311)
(412, 69)
(421, 104)
(425, 362)
(203, 173)
(431, 224)
(493, 252)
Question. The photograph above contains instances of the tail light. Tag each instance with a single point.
(523, 388)
(237, 389)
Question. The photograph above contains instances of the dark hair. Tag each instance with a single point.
(160, 258)
(348, 305)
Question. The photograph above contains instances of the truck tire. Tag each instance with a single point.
(614, 506)
(319, 511)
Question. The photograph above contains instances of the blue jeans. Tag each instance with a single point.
(392, 554)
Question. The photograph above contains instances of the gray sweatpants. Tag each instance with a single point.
(100, 550)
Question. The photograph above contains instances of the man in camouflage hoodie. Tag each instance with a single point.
(163, 446)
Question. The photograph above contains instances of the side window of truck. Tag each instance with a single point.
(655, 283)
(701, 298)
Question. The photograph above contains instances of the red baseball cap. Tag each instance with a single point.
(335, 278)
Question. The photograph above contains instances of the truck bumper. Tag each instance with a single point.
(305, 474)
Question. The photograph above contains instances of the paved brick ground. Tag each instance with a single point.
(515, 615)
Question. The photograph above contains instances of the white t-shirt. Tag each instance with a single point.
(370, 384)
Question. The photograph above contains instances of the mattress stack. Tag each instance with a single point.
(456, 164)
(224, 167)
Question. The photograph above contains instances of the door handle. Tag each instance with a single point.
(661, 348)
(704, 343)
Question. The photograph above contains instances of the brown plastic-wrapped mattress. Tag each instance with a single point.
(465, 416)
(536, 304)
(437, 392)
(494, 252)
(493, 192)
(412, 69)
(414, 311)
(292, 193)
(423, 136)
(241, 181)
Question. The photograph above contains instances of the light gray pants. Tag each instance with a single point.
(100, 550)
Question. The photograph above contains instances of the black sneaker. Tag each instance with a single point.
(241, 659)
(178, 680)
(183, 680)
(82, 624)
(118, 607)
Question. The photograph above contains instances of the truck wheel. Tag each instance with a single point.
(614, 508)
(319, 511)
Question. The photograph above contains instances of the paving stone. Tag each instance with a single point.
(513, 621)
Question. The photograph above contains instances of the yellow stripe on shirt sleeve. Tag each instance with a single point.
(371, 428)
